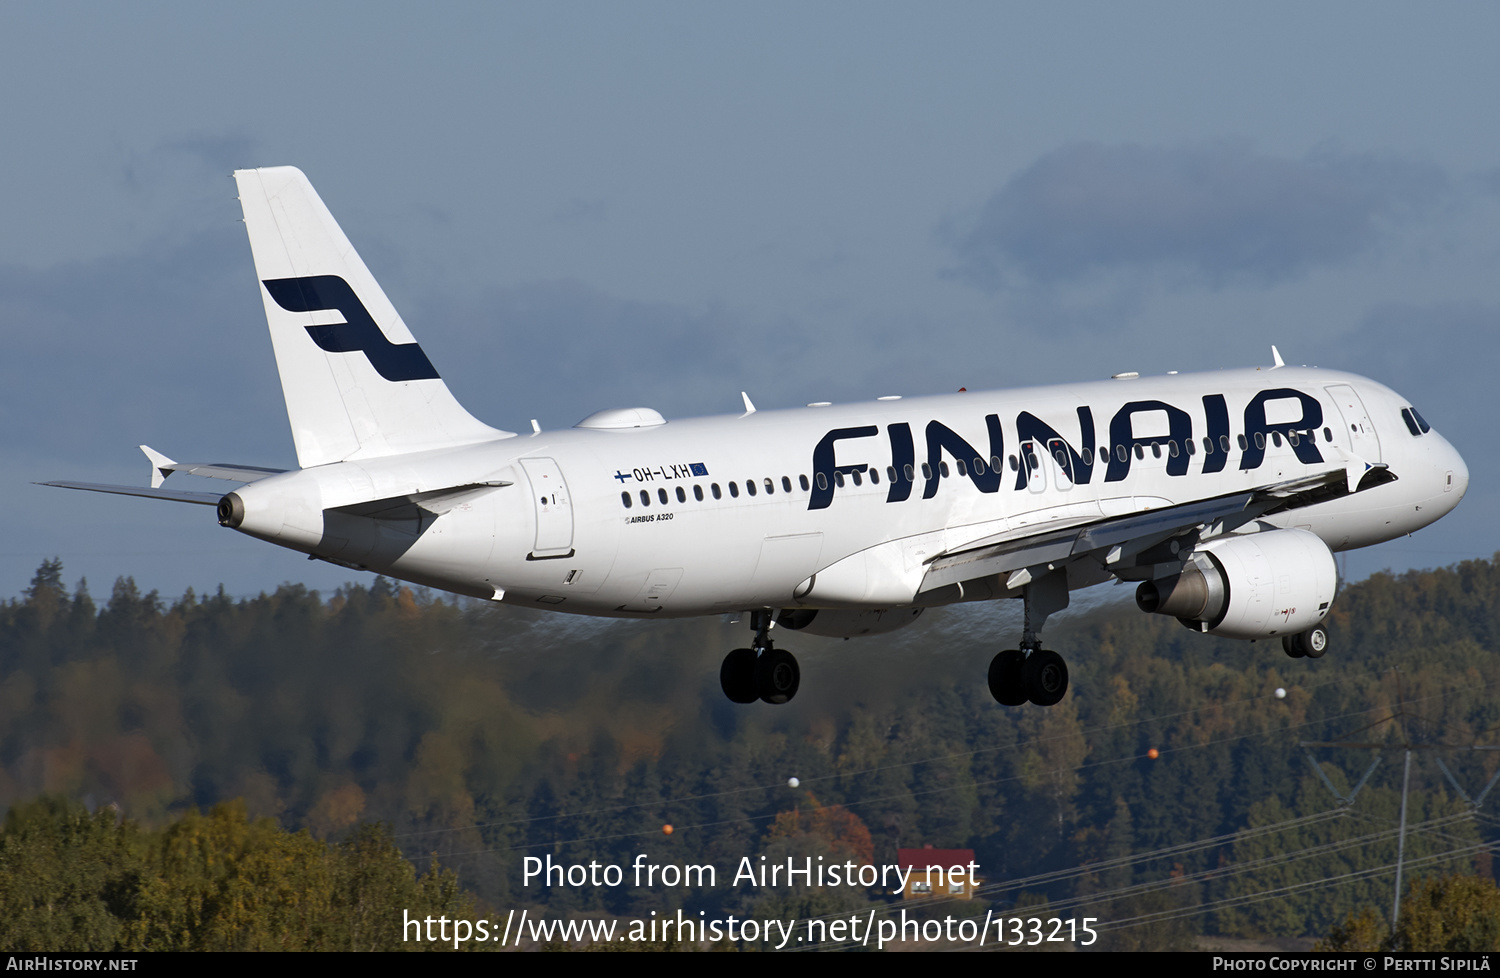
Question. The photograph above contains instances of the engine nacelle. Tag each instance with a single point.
(847, 624)
(1256, 585)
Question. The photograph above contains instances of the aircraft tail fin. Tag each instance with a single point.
(357, 384)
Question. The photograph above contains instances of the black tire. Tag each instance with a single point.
(737, 676)
(1046, 677)
(777, 676)
(1292, 646)
(1006, 685)
(1314, 642)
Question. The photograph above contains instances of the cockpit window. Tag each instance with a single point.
(1415, 423)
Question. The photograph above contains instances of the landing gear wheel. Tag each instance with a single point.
(1310, 644)
(737, 676)
(777, 676)
(1045, 676)
(1006, 685)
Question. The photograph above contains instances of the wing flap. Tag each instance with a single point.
(1123, 536)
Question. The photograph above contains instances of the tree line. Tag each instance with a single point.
(462, 734)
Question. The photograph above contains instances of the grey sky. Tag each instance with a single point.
(594, 205)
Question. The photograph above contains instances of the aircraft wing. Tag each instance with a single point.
(1116, 538)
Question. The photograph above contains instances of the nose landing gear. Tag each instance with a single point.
(761, 672)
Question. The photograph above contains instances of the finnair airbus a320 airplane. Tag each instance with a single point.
(1224, 495)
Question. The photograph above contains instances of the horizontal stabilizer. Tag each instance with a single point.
(171, 495)
(414, 505)
(161, 467)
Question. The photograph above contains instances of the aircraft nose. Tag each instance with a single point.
(1454, 473)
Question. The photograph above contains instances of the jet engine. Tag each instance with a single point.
(847, 624)
(1256, 585)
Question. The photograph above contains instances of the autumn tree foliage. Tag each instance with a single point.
(1448, 913)
(217, 881)
(482, 734)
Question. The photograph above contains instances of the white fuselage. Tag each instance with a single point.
(560, 534)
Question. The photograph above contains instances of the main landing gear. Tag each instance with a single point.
(761, 672)
(1310, 644)
(1032, 673)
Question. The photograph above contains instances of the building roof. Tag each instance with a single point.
(920, 859)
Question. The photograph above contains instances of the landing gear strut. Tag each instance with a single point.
(761, 672)
(1032, 673)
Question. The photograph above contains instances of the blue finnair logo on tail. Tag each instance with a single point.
(357, 334)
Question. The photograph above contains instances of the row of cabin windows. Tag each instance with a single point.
(768, 486)
(978, 466)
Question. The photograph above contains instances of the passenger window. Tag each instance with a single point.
(1187, 444)
(1294, 438)
(1120, 453)
(750, 486)
(803, 480)
(979, 466)
(1156, 450)
(625, 498)
(734, 490)
(1276, 438)
(962, 469)
(698, 493)
(890, 472)
(1208, 445)
(786, 484)
(874, 476)
(1260, 440)
(714, 488)
(1088, 456)
(822, 481)
(857, 479)
(662, 495)
(681, 495)
(910, 475)
(1140, 452)
(1244, 445)
(645, 498)
(770, 486)
(996, 464)
(1328, 434)
(1224, 443)
(926, 471)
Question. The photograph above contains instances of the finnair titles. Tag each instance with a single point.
(1222, 496)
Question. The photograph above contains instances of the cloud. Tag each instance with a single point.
(1210, 215)
(1440, 355)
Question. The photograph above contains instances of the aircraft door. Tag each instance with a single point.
(554, 509)
(1062, 473)
(1362, 437)
(1032, 456)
